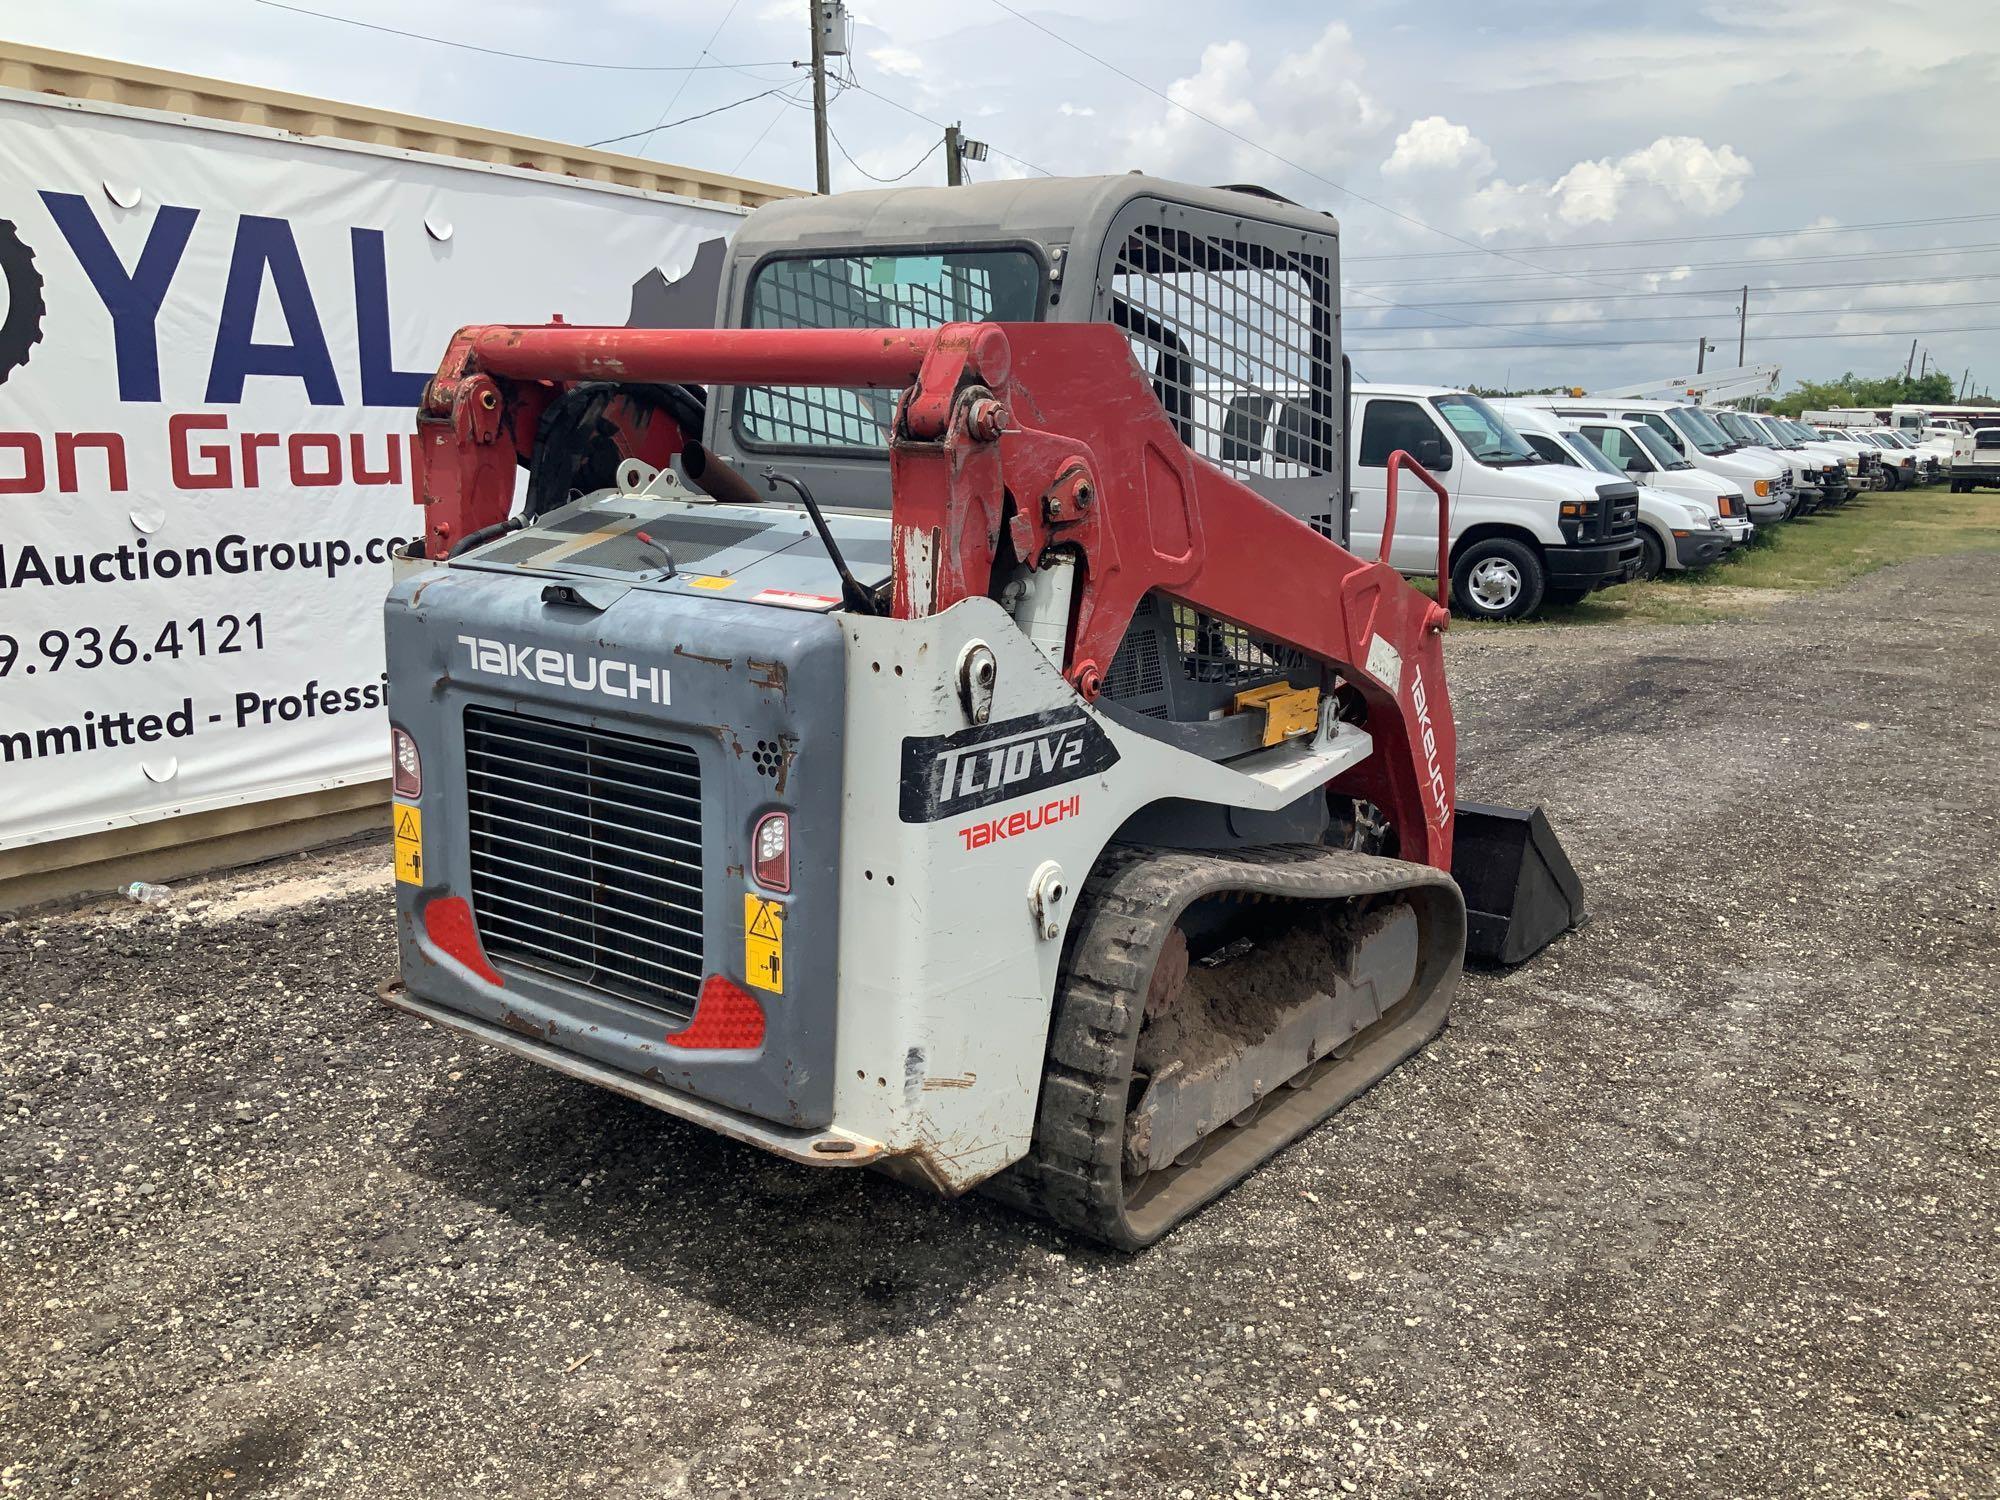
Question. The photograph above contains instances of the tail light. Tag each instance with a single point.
(406, 774)
(771, 852)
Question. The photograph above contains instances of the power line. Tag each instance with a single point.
(787, 100)
(1707, 265)
(612, 140)
(870, 175)
(919, 115)
(1687, 239)
(1768, 338)
(1254, 145)
(557, 62)
(1729, 292)
(1792, 312)
(1388, 306)
(688, 77)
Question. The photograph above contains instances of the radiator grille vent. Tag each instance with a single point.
(586, 855)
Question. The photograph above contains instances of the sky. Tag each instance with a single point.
(1478, 156)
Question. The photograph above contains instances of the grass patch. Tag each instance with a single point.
(1824, 551)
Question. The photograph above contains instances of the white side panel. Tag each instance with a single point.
(945, 983)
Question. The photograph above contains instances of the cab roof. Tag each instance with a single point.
(1048, 210)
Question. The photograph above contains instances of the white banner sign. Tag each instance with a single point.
(211, 344)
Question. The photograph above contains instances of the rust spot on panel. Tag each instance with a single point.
(724, 662)
(964, 1081)
(514, 1021)
(768, 674)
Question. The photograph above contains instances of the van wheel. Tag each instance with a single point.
(1497, 579)
(1652, 556)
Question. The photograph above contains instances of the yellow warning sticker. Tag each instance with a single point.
(408, 825)
(764, 943)
(707, 581)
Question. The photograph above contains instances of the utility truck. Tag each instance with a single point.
(1975, 460)
(877, 733)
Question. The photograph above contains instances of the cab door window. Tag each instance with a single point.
(1619, 447)
(1389, 424)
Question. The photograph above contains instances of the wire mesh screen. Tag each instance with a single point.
(1238, 337)
(870, 291)
(1215, 650)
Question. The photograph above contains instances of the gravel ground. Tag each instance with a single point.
(1702, 1202)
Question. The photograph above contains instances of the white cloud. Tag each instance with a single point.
(1309, 108)
(1077, 110)
(1673, 181)
(1434, 144)
(900, 61)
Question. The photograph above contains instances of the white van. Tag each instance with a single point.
(1899, 464)
(1681, 523)
(1863, 461)
(1804, 472)
(1766, 484)
(1827, 472)
(1522, 530)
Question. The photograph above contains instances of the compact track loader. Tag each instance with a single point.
(917, 723)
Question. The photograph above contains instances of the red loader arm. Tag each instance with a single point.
(1010, 440)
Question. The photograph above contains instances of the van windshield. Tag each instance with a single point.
(1485, 432)
(1695, 426)
(1657, 448)
(1658, 425)
(1738, 426)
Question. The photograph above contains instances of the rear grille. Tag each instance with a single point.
(586, 855)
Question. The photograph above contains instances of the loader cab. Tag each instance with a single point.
(1228, 297)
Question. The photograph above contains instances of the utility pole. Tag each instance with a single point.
(1701, 348)
(820, 164)
(1964, 381)
(1742, 324)
(1924, 364)
(1910, 363)
(957, 152)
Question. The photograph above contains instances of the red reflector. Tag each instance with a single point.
(448, 923)
(727, 1017)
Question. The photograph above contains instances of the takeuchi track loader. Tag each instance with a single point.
(909, 724)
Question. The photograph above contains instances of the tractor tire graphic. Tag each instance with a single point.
(22, 328)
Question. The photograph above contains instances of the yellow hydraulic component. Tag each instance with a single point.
(1287, 710)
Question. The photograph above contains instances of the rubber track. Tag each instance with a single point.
(1073, 1172)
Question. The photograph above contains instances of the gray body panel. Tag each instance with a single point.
(739, 676)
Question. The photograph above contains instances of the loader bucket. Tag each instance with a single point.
(1521, 893)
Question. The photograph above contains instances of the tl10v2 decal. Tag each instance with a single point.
(945, 775)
